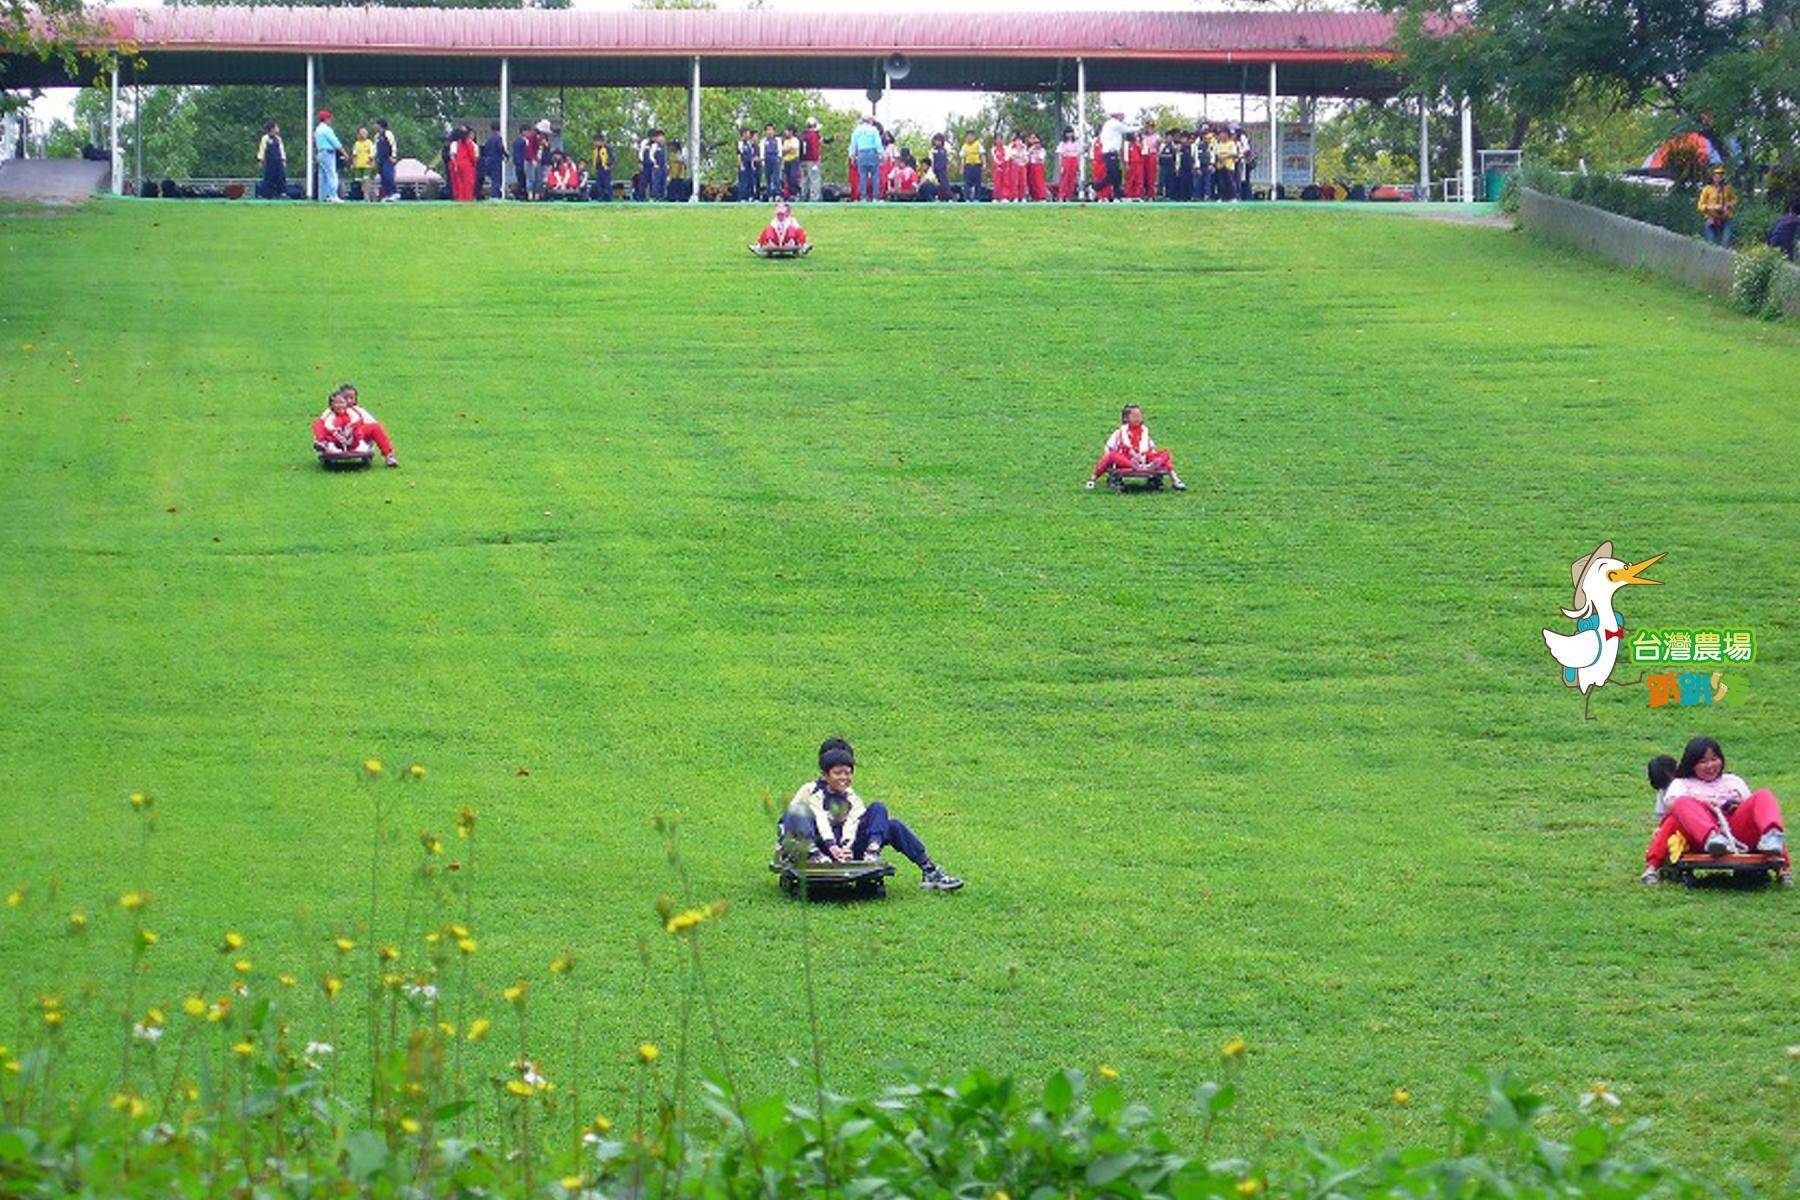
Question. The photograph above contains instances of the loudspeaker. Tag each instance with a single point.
(898, 66)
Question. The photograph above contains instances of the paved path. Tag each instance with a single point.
(51, 180)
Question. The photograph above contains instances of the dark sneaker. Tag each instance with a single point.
(937, 880)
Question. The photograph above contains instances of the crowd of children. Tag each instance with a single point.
(1210, 162)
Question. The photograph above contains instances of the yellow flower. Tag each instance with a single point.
(408, 1125)
(431, 842)
(154, 1017)
(602, 1125)
(234, 941)
(570, 1183)
(416, 771)
(459, 931)
(392, 979)
(53, 1018)
(15, 897)
(562, 965)
(1402, 1096)
(129, 1104)
(1234, 1048)
(515, 994)
(372, 766)
(332, 985)
(1002, 1195)
(344, 945)
(194, 1006)
(148, 938)
(390, 954)
(478, 1028)
(78, 922)
(287, 981)
(648, 1053)
(221, 1008)
(242, 966)
(518, 1087)
(447, 1029)
(140, 801)
(466, 945)
(131, 901)
(1249, 1186)
(465, 822)
(1108, 1073)
(243, 1049)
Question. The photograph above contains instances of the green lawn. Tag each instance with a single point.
(1284, 757)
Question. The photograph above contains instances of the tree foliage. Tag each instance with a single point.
(47, 30)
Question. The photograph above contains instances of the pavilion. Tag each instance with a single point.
(1321, 54)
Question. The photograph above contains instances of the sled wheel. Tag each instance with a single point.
(1156, 482)
(1114, 482)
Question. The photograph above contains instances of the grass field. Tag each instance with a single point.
(1282, 758)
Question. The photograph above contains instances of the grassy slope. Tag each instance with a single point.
(1284, 757)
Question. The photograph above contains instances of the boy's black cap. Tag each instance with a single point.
(836, 752)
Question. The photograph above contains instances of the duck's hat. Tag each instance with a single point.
(1579, 569)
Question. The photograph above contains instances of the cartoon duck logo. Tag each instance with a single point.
(1588, 655)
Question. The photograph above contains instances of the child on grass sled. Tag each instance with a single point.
(831, 820)
(346, 428)
(1130, 449)
(782, 236)
(1711, 810)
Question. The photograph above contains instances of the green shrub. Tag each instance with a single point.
(1673, 209)
(1753, 279)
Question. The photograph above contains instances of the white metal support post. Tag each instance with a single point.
(1081, 129)
(506, 163)
(137, 130)
(112, 111)
(1424, 148)
(1467, 178)
(693, 146)
(1274, 134)
(306, 130)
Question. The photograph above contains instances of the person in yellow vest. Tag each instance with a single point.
(362, 162)
(1718, 204)
(972, 155)
(1224, 165)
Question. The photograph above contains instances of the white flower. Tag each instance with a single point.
(314, 1049)
(528, 1072)
(1599, 1094)
(590, 1138)
(421, 991)
(148, 1033)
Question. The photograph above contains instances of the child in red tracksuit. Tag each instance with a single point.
(1130, 449)
(1102, 189)
(1068, 165)
(782, 233)
(1036, 188)
(1714, 811)
(344, 426)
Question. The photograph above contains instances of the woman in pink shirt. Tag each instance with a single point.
(1714, 811)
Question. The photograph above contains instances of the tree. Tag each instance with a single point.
(48, 30)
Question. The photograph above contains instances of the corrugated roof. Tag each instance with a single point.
(1201, 36)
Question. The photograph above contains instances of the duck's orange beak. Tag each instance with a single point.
(1630, 574)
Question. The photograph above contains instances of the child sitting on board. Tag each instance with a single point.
(783, 235)
(347, 428)
(831, 820)
(1131, 449)
(1710, 811)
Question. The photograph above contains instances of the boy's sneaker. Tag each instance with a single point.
(1176, 480)
(1772, 842)
(1650, 875)
(1091, 482)
(1717, 843)
(872, 852)
(936, 879)
(392, 461)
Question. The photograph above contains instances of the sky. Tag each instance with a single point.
(925, 108)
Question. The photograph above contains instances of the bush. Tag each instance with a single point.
(1673, 209)
(1754, 280)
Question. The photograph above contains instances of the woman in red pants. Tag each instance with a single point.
(1714, 811)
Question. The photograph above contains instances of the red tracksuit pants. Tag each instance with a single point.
(1035, 185)
(1112, 460)
(366, 431)
(1067, 174)
(1757, 815)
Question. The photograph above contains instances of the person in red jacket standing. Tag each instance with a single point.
(344, 426)
(462, 164)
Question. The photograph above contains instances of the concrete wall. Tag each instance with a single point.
(1638, 246)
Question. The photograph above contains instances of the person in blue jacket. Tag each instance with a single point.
(327, 147)
(829, 822)
(746, 160)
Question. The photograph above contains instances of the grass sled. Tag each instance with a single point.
(1743, 868)
(832, 880)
